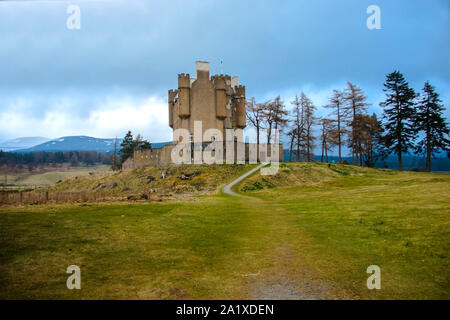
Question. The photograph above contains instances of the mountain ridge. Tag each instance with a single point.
(79, 143)
(21, 143)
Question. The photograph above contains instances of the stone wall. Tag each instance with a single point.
(162, 156)
(153, 157)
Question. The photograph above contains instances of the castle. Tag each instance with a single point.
(216, 104)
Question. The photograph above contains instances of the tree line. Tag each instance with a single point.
(410, 122)
(35, 159)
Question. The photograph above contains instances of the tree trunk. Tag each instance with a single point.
(257, 141)
(353, 135)
(428, 163)
(339, 131)
(269, 133)
(257, 134)
(290, 147)
(323, 144)
(399, 141)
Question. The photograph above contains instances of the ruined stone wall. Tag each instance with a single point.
(153, 157)
(128, 164)
(162, 156)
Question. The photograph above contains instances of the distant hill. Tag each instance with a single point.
(21, 143)
(74, 143)
(79, 143)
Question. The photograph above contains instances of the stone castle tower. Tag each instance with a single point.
(219, 102)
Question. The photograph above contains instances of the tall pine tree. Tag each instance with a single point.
(399, 115)
(127, 148)
(429, 120)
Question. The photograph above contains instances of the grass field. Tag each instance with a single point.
(50, 177)
(206, 179)
(308, 232)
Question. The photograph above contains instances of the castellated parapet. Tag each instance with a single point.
(217, 101)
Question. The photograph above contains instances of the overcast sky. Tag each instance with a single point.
(113, 73)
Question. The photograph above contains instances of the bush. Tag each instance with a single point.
(255, 186)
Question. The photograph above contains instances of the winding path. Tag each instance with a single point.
(278, 285)
(227, 188)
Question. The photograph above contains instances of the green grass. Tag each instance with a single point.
(396, 220)
(308, 222)
(148, 251)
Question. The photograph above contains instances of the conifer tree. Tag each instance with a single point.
(127, 148)
(140, 144)
(430, 121)
(399, 115)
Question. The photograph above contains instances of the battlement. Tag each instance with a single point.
(221, 76)
(219, 81)
(172, 94)
(240, 91)
(218, 101)
(184, 80)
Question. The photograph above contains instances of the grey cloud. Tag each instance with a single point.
(137, 47)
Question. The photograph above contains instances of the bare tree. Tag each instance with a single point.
(255, 115)
(309, 122)
(268, 117)
(298, 122)
(280, 114)
(355, 105)
(114, 160)
(328, 137)
(369, 131)
(292, 134)
(302, 122)
(337, 104)
(275, 116)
